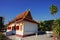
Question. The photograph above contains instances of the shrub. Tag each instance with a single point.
(0, 35)
(56, 27)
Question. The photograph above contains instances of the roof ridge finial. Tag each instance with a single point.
(28, 9)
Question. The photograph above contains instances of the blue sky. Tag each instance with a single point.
(9, 9)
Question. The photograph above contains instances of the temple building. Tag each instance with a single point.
(22, 25)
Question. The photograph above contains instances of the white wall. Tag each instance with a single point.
(9, 32)
(10, 26)
(18, 31)
(30, 28)
(27, 28)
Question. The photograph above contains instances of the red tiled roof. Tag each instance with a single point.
(23, 16)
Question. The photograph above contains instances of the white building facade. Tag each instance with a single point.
(22, 25)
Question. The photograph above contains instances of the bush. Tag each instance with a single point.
(0, 35)
(56, 27)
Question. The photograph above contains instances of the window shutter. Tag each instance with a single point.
(9, 28)
(17, 27)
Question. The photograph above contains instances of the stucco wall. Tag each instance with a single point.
(11, 25)
(30, 28)
(27, 28)
(18, 31)
(9, 32)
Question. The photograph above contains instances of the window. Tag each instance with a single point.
(9, 28)
(17, 27)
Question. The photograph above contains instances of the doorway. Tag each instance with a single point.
(13, 30)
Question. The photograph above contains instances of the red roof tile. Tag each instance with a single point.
(23, 16)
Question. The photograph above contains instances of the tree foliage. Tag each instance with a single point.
(41, 26)
(45, 25)
(48, 25)
(53, 9)
(56, 27)
(0, 35)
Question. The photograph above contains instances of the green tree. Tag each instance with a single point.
(41, 26)
(56, 23)
(56, 26)
(48, 25)
(0, 35)
(53, 9)
(1, 23)
(45, 25)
